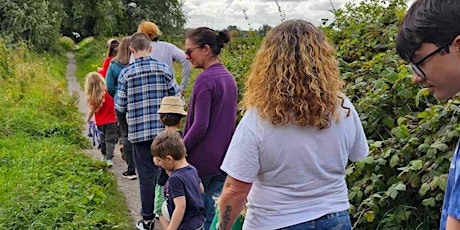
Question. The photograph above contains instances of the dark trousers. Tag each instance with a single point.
(127, 146)
(147, 173)
(109, 139)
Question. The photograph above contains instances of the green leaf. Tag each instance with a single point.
(439, 146)
(430, 202)
(394, 161)
(370, 216)
(423, 189)
(417, 164)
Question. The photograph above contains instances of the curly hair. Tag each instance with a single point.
(95, 90)
(295, 77)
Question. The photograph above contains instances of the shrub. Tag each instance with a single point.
(401, 184)
(67, 43)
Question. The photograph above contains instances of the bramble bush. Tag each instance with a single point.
(401, 184)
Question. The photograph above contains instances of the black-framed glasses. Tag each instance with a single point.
(189, 50)
(415, 66)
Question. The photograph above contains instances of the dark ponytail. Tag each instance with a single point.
(206, 36)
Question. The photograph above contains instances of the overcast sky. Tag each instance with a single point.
(218, 14)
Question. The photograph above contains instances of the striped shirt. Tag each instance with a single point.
(142, 85)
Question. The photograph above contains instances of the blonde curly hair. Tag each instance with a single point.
(295, 77)
(95, 90)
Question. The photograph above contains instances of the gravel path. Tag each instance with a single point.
(130, 188)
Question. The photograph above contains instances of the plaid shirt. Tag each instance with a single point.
(142, 85)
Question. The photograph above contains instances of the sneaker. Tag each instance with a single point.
(103, 158)
(145, 225)
(109, 163)
(129, 175)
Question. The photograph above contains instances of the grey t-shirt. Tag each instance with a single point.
(298, 173)
(169, 53)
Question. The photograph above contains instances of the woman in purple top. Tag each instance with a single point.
(212, 112)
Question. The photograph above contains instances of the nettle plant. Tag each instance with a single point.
(401, 184)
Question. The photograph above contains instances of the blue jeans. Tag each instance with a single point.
(333, 221)
(147, 173)
(127, 147)
(212, 188)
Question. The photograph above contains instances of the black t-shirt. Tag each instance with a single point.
(185, 182)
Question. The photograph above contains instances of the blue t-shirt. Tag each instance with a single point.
(185, 182)
(451, 205)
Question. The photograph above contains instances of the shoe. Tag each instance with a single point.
(129, 175)
(109, 163)
(145, 225)
(103, 158)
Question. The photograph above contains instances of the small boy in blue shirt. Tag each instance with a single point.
(184, 189)
(429, 38)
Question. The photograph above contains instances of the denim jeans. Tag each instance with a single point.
(109, 139)
(147, 173)
(333, 221)
(127, 147)
(212, 188)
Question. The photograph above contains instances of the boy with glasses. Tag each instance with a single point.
(429, 38)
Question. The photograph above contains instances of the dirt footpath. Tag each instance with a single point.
(130, 188)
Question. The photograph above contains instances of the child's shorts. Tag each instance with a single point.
(159, 199)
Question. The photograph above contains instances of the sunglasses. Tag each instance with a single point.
(189, 50)
(416, 66)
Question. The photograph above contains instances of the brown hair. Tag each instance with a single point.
(139, 41)
(112, 47)
(168, 143)
(123, 53)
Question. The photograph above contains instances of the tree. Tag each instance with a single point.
(91, 17)
(167, 14)
(263, 30)
(35, 21)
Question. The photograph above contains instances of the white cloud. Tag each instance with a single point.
(219, 14)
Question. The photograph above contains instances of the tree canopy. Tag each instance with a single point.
(42, 22)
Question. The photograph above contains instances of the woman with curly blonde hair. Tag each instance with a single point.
(289, 152)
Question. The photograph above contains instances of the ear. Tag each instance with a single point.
(208, 50)
(132, 50)
(169, 158)
(456, 45)
(150, 49)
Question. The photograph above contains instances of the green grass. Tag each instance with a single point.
(47, 181)
(89, 57)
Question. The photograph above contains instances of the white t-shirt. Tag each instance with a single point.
(298, 173)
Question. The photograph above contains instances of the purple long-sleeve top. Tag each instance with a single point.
(211, 119)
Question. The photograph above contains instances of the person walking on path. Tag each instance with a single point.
(112, 46)
(142, 85)
(429, 38)
(118, 63)
(212, 112)
(102, 107)
(166, 52)
(289, 153)
(185, 206)
(171, 113)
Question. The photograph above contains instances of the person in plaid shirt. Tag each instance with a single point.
(142, 85)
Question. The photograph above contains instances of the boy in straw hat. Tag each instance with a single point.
(171, 113)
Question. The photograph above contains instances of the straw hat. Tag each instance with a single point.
(150, 29)
(172, 104)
